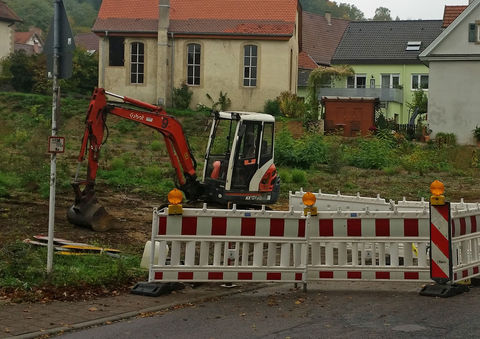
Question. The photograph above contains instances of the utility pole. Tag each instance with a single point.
(59, 46)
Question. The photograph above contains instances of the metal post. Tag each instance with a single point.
(53, 161)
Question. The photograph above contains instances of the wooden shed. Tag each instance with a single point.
(355, 116)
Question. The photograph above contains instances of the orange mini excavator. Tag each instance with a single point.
(238, 167)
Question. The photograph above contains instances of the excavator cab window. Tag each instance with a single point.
(246, 159)
(220, 149)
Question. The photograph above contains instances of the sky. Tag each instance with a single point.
(405, 9)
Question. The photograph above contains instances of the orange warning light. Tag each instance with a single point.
(309, 199)
(437, 188)
(175, 196)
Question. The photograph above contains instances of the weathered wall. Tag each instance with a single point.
(116, 79)
(6, 39)
(453, 105)
(222, 70)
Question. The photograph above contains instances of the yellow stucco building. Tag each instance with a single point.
(245, 48)
(7, 20)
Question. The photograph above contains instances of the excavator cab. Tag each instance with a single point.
(239, 164)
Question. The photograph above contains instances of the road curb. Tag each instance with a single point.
(132, 314)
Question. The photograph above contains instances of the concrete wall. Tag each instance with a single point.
(6, 39)
(453, 106)
(222, 70)
(405, 72)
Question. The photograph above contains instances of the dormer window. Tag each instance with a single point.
(413, 45)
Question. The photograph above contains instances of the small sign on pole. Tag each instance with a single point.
(56, 144)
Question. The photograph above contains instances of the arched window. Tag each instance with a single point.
(137, 63)
(250, 65)
(193, 64)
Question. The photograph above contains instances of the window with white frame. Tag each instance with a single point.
(193, 64)
(474, 32)
(419, 81)
(137, 63)
(357, 81)
(250, 57)
(390, 80)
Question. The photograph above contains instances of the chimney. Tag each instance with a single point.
(163, 52)
(328, 17)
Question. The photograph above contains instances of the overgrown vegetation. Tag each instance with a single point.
(182, 96)
(28, 74)
(23, 267)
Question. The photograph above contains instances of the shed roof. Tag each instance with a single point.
(222, 17)
(385, 42)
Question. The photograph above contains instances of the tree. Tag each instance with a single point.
(382, 14)
(344, 11)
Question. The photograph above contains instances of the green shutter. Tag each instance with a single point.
(472, 30)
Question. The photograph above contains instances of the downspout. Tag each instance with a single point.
(104, 61)
(172, 65)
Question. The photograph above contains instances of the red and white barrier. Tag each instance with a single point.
(368, 246)
(465, 233)
(229, 245)
(440, 252)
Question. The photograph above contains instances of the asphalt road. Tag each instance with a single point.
(327, 310)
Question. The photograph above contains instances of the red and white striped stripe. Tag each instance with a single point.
(227, 275)
(365, 226)
(466, 273)
(369, 274)
(440, 242)
(231, 226)
(465, 225)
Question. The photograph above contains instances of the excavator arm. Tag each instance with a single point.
(87, 211)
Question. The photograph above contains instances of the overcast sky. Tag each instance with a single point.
(405, 9)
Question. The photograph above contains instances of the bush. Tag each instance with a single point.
(182, 96)
(272, 107)
(291, 106)
(298, 176)
(370, 153)
(446, 139)
(17, 68)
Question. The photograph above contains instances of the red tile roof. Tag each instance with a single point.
(89, 41)
(22, 37)
(451, 13)
(237, 17)
(319, 39)
(305, 61)
(6, 14)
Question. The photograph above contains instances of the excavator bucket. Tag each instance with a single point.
(87, 212)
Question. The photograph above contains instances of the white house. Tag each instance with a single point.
(454, 62)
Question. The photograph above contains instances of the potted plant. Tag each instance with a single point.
(476, 134)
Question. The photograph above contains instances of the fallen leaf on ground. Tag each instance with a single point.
(93, 309)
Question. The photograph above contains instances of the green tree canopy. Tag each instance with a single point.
(382, 14)
(342, 10)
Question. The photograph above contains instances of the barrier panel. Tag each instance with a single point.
(368, 246)
(334, 202)
(229, 245)
(266, 246)
(465, 242)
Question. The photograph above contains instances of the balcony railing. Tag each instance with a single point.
(383, 94)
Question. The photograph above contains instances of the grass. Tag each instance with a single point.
(23, 266)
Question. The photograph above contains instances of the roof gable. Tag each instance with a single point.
(429, 51)
(270, 17)
(385, 42)
(6, 14)
(320, 38)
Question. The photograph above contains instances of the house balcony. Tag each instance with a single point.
(383, 94)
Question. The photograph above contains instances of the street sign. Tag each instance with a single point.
(56, 144)
(65, 48)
